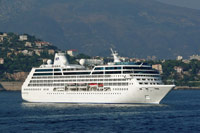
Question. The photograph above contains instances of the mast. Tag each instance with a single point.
(115, 56)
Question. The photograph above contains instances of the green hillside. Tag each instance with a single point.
(20, 55)
(138, 28)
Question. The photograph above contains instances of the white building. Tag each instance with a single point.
(26, 52)
(41, 44)
(72, 52)
(51, 51)
(158, 67)
(178, 69)
(1, 61)
(28, 44)
(2, 36)
(179, 57)
(45, 60)
(186, 61)
(23, 37)
(38, 51)
(195, 57)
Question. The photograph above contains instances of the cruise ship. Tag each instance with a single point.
(115, 82)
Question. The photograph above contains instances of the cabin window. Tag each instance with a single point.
(144, 68)
(57, 73)
(57, 70)
(127, 72)
(99, 68)
(41, 74)
(112, 72)
(100, 72)
(75, 73)
(112, 68)
(43, 70)
(147, 72)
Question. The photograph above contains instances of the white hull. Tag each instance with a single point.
(133, 95)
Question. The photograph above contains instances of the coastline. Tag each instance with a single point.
(10, 85)
(16, 86)
(186, 88)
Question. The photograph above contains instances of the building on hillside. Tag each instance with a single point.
(72, 52)
(1, 61)
(132, 59)
(38, 51)
(17, 52)
(41, 43)
(2, 48)
(51, 51)
(2, 36)
(158, 67)
(11, 49)
(26, 52)
(186, 61)
(5, 34)
(179, 57)
(124, 59)
(45, 60)
(23, 37)
(28, 44)
(195, 57)
(9, 54)
(178, 69)
(140, 60)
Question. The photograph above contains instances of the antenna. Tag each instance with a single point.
(115, 56)
(112, 51)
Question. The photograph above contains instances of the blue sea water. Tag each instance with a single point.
(178, 112)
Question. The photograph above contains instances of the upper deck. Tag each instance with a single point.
(62, 67)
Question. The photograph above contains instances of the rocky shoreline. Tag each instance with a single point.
(10, 86)
(16, 86)
(186, 88)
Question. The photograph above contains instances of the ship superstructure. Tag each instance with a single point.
(116, 82)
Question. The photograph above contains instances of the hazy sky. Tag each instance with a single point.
(195, 4)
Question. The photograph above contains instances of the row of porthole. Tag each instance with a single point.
(87, 93)
(120, 89)
(148, 88)
(62, 84)
(78, 80)
(55, 77)
(141, 83)
(32, 89)
(146, 75)
(148, 79)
